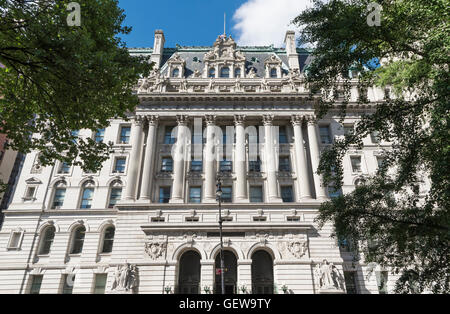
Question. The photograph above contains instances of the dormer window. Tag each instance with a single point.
(273, 73)
(212, 73)
(176, 73)
(225, 72)
(237, 72)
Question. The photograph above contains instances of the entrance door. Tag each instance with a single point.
(262, 273)
(189, 276)
(230, 273)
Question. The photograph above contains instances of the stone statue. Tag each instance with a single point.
(115, 283)
(237, 85)
(183, 85)
(264, 86)
(328, 276)
(211, 85)
(125, 278)
(252, 73)
(197, 73)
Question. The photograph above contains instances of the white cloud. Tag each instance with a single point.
(265, 22)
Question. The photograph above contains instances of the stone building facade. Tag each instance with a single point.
(147, 222)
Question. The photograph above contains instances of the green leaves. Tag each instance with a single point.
(59, 78)
(410, 225)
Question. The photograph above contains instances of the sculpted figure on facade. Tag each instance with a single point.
(328, 276)
(125, 278)
(155, 249)
(252, 73)
(298, 248)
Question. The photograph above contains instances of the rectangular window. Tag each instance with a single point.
(195, 195)
(99, 135)
(125, 132)
(286, 194)
(30, 192)
(86, 201)
(114, 198)
(100, 283)
(356, 163)
(167, 165)
(260, 218)
(196, 166)
(350, 282)
(283, 135)
(348, 129)
(67, 285)
(380, 161)
(58, 199)
(325, 137)
(164, 194)
(333, 193)
(64, 168)
(254, 165)
(168, 139)
(36, 281)
(75, 134)
(119, 165)
(284, 165)
(14, 242)
(227, 194)
(226, 166)
(345, 245)
(256, 194)
(375, 137)
(382, 278)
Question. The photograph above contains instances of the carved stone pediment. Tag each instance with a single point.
(176, 59)
(224, 48)
(273, 60)
(155, 249)
(298, 248)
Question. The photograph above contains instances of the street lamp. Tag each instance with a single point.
(219, 198)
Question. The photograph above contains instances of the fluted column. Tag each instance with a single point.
(147, 172)
(270, 161)
(303, 181)
(239, 162)
(313, 135)
(179, 160)
(209, 161)
(134, 163)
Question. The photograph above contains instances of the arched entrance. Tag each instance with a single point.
(230, 262)
(262, 273)
(189, 275)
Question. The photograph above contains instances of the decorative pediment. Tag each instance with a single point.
(33, 181)
(224, 48)
(176, 59)
(273, 60)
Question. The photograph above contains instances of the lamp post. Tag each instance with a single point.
(222, 267)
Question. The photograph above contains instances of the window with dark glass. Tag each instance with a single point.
(356, 163)
(74, 135)
(254, 165)
(282, 135)
(114, 197)
(348, 129)
(284, 165)
(100, 283)
(380, 161)
(47, 240)
(333, 193)
(36, 281)
(196, 166)
(287, 194)
(212, 73)
(108, 240)
(375, 137)
(176, 72)
(78, 240)
(58, 198)
(273, 73)
(64, 168)
(68, 280)
(195, 195)
(225, 72)
(350, 282)
(164, 194)
(125, 132)
(325, 137)
(256, 194)
(86, 199)
(100, 135)
(237, 72)
(119, 165)
(382, 278)
(226, 166)
(227, 194)
(168, 139)
(167, 165)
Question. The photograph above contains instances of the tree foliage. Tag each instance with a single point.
(57, 78)
(409, 52)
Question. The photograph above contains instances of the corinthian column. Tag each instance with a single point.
(303, 182)
(179, 160)
(209, 161)
(270, 161)
(147, 172)
(313, 135)
(134, 163)
(240, 169)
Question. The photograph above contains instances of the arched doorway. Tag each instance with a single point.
(230, 262)
(262, 273)
(189, 275)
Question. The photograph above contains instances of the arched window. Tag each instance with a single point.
(262, 273)
(78, 240)
(273, 73)
(47, 240)
(108, 239)
(176, 72)
(189, 275)
(237, 72)
(58, 195)
(212, 73)
(87, 195)
(115, 193)
(225, 72)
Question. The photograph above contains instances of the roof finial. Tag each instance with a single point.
(224, 24)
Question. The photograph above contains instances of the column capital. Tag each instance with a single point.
(138, 120)
(310, 119)
(182, 120)
(297, 119)
(239, 120)
(210, 119)
(268, 119)
(152, 120)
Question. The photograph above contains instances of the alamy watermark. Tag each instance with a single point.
(374, 17)
(74, 17)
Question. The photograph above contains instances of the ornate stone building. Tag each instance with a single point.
(147, 222)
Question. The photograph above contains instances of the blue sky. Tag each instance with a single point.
(199, 22)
